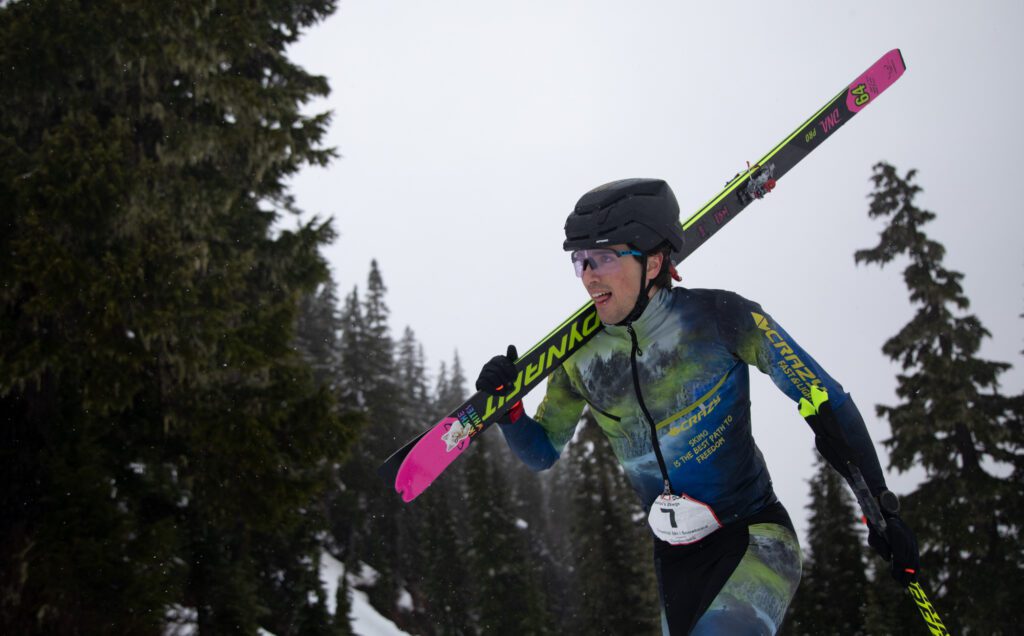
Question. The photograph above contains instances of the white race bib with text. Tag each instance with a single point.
(681, 520)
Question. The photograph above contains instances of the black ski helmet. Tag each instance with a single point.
(639, 212)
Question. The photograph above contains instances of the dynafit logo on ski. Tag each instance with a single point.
(534, 372)
(830, 121)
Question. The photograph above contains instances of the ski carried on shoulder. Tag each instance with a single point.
(416, 465)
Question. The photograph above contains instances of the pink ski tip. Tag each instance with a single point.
(882, 74)
(429, 457)
(408, 495)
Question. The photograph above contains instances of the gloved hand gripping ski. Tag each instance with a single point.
(898, 545)
(498, 378)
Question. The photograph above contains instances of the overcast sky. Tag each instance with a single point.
(468, 130)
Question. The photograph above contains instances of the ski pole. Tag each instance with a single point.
(827, 430)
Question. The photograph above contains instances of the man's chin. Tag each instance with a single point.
(608, 318)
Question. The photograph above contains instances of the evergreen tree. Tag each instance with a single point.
(439, 578)
(528, 503)
(364, 517)
(294, 596)
(614, 585)
(350, 357)
(317, 333)
(344, 504)
(342, 620)
(451, 386)
(158, 424)
(507, 593)
(429, 528)
(443, 402)
(382, 545)
(411, 377)
(418, 522)
(377, 351)
(320, 325)
(833, 592)
(551, 527)
(952, 422)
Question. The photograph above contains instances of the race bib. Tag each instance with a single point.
(681, 520)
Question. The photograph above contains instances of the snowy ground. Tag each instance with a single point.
(365, 620)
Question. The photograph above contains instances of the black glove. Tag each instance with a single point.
(898, 546)
(498, 377)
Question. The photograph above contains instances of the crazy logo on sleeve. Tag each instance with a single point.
(790, 364)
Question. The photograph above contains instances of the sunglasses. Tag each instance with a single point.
(602, 260)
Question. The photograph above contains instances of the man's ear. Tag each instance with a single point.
(654, 264)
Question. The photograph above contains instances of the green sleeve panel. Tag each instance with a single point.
(560, 410)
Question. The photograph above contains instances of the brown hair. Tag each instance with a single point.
(664, 278)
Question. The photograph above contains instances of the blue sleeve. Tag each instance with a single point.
(759, 341)
(529, 441)
(539, 442)
(850, 421)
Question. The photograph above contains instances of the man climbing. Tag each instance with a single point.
(667, 381)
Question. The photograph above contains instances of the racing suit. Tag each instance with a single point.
(689, 355)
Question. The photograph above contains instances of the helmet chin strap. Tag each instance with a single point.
(642, 299)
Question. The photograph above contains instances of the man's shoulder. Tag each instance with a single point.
(712, 297)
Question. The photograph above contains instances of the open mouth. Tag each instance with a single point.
(601, 298)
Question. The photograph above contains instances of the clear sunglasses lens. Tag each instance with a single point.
(578, 262)
(599, 260)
